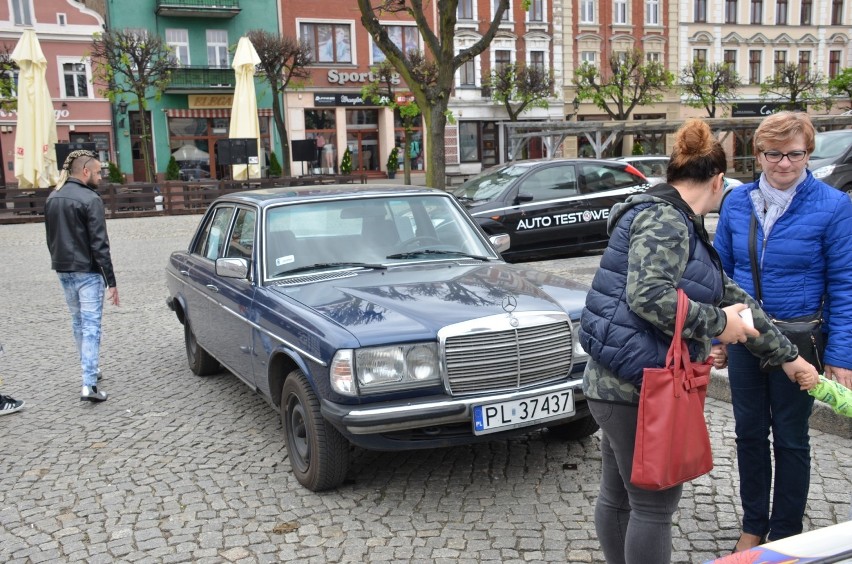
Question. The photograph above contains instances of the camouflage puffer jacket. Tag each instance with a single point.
(657, 244)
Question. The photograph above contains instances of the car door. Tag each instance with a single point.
(200, 274)
(547, 200)
(602, 186)
(230, 326)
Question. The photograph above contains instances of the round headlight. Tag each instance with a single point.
(422, 363)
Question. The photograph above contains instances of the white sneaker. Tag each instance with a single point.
(91, 393)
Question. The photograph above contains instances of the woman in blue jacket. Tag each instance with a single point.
(804, 257)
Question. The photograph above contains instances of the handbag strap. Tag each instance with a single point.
(752, 254)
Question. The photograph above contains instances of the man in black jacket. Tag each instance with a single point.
(79, 253)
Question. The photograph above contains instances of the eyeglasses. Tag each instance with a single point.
(778, 156)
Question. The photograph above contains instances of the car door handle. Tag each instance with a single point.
(213, 288)
(184, 272)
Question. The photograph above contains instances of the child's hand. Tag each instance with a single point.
(806, 380)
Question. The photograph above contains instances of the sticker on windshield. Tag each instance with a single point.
(284, 260)
(563, 219)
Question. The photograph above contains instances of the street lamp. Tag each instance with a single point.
(122, 110)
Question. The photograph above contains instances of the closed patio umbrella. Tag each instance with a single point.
(35, 132)
(244, 124)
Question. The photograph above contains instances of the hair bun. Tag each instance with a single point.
(693, 140)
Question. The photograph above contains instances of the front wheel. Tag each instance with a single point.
(200, 361)
(319, 454)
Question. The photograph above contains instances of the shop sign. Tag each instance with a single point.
(342, 77)
(202, 101)
(60, 114)
(754, 109)
(338, 100)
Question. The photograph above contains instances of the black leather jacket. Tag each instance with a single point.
(76, 231)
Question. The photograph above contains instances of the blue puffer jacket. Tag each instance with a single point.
(808, 254)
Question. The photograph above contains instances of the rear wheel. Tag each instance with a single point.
(575, 430)
(200, 361)
(319, 454)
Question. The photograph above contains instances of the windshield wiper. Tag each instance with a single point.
(321, 265)
(413, 254)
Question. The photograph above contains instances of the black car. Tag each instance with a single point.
(549, 207)
(831, 160)
(380, 317)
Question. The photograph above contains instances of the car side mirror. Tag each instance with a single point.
(524, 198)
(500, 242)
(232, 268)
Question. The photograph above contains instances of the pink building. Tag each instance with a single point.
(64, 29)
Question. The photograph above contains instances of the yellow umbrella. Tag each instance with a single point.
(244, 124)
(35, 133)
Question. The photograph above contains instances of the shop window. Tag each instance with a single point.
(415, 148)
(321, 126)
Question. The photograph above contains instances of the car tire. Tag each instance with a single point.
(319, 454)
(200, 361)
(575, 430)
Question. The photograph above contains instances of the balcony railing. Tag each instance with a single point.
(201, 78)
(199, 8)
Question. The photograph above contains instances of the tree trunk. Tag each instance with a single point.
(406, 158)
(281, 126)
(436, 123)
(150, 174)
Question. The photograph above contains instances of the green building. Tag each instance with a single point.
(193, 114)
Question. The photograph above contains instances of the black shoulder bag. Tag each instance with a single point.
(805, 332)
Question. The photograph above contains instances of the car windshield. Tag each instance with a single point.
(368, 233)
(830, 145)
(490, 183)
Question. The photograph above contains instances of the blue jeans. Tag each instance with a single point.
(764, 402)
(633, 525)
(84, 293)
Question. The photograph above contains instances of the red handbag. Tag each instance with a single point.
(672, 443)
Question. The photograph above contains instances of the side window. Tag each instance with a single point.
(551, 183)
(212, 245)
(599, 178)
(242, 236)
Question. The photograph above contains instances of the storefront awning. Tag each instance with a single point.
(211, 113)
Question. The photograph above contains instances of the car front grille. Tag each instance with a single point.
(536, 351)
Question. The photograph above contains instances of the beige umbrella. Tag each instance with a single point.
(35, 133)
(244, 124)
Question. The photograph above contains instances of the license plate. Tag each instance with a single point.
(493, 417)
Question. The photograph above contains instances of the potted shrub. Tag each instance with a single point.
(393, 162)
(346, 163)
(173, 170)
(274, 165)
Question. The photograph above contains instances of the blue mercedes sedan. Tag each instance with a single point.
(377, 316)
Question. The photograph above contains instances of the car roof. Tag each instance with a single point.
(640, 158)
(266, 196)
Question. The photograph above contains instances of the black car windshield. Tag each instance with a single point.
(367, 232)
(490, 183)
(829, 145)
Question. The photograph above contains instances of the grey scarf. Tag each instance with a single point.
(771, 203)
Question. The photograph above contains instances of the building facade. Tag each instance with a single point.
(65, 30)
(193, 114)
(331, 110)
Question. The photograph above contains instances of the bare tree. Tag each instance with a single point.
(520, 88)
(628, 81)
(381, 92)
(127, 61)
(430, 73)
(796, 88)
(710, 86)
(282, 60)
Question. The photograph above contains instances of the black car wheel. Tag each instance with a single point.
(575, 430)
(200, 361)
(319, 454)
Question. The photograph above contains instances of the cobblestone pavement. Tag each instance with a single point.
(176, 468)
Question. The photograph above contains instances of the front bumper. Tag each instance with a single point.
(395, 416)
